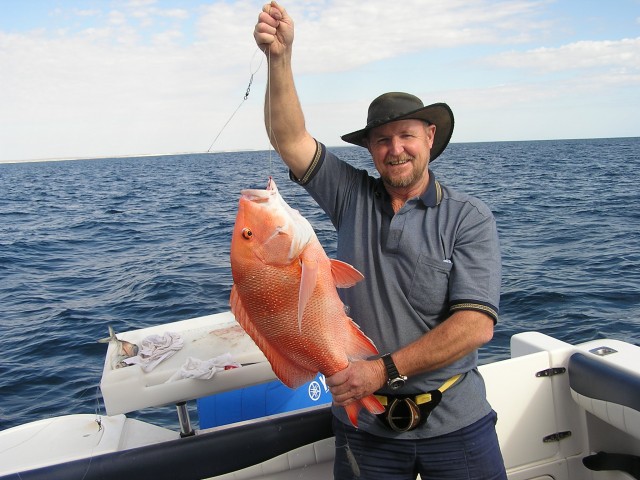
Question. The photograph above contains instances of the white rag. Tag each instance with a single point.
(154, 349)
(204, 369)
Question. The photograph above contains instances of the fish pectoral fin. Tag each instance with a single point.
(344, 275)
(307, 286)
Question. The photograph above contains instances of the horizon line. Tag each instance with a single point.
(140, 155)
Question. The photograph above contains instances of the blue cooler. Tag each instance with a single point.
(259, 401)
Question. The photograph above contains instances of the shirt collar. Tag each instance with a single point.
(431, 197)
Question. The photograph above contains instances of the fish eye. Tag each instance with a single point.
(247, 233)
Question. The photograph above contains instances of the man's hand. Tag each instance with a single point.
(274, 31)
(359, 379)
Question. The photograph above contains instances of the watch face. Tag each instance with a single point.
(396, 383)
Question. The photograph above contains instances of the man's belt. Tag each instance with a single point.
(403, 413)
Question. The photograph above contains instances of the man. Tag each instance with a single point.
(431, 262)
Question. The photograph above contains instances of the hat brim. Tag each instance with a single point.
(438, 114)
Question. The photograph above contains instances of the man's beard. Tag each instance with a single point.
(405, 180)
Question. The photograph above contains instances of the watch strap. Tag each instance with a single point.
(390, 366)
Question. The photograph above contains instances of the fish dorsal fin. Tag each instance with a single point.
(307, 286)
(344, 275)
(359, 346)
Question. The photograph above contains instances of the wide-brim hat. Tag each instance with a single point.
(393, 106)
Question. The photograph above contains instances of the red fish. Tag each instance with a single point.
(284, 294)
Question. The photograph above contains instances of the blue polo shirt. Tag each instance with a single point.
(438, 254)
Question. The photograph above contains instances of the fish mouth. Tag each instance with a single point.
(260, 195)
(257, 196)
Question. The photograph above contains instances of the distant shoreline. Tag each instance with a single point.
(141, 155)
(138, 155)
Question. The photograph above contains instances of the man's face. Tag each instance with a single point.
(401, 152)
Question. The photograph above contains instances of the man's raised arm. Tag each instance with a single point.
(283, 115)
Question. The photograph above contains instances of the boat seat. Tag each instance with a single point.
(608, 391)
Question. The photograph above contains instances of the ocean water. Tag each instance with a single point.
(135, 242)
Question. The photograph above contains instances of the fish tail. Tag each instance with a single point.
(352, 412)
(111, 338)
(370, 402)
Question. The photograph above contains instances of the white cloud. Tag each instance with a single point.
(138, 81)
(617, 54)
(117, 18)
(147, 14)
(87, 12)
(167, 37)
(109, 90)
(351, 33)
(178, 13)
(140, 3)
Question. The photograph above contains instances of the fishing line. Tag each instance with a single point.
(98, 408)
(101, 428)
(269, 109)
(246, 95)
(272, 137)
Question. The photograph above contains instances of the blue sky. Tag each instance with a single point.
(100, 78)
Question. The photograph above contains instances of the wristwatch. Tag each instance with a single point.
(395, 380)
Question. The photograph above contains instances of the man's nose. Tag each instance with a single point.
(397, 146)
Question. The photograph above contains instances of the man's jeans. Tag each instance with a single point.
(471, 453)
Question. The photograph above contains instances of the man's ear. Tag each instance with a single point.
(431, 134)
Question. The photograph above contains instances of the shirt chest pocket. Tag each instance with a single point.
(429, 294)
